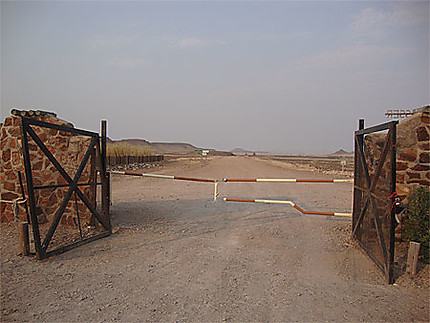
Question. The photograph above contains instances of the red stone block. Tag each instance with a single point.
(7, 213)
(7, 122)
(424, 145)
(424, 158)
(4, 142)
(422, 134)
(9, 186)
(6, 155)
(419, 167)
(413, 175)
(43, 136)
(12, 142)
(419, 181)
(15, 132)
(408, 154)
(401, 166)
(37, 165)
(16, 158)
(16, 121)
(4, 133)
(9, 196)
(52, 132)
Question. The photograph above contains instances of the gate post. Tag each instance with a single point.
(105, 189)
(358, 142)
(392, 221)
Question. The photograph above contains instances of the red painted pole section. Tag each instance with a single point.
(194, 179)
(239, 200)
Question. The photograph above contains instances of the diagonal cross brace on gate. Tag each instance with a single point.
(368, 192)
(26, 129)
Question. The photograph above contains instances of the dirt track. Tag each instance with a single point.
(180, 257)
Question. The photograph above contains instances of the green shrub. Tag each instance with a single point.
(416, 227)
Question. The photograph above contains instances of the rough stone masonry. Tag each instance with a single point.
(413, 152)
(67, 148)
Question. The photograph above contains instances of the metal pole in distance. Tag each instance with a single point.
(105, 192)
(357, 179)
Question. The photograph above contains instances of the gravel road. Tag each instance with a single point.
(177, 256)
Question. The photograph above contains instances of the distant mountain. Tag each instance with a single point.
(173, 147)
(136, 142)
(341, 152)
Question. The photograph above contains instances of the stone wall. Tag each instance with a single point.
(413, 153)
(68, 150)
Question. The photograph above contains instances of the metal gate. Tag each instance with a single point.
(70, 189)
(373, 220)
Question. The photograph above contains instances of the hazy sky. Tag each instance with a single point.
(282, 76)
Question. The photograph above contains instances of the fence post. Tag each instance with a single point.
(414, 250)
(24, 241)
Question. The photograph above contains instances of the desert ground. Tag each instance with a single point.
(178, 256)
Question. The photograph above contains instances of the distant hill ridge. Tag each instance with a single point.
(341, 152)
(244, 151)
(177, 148)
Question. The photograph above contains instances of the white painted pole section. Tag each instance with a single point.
(274, 202)
(158, 176)
(278, 180)
(143, 174)
(343, 181)
(216, 192)
(343, 214)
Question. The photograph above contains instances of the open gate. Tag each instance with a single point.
(373, 221)
(74, 193)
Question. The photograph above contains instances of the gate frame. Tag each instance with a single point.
(97, 142)
(364, 188)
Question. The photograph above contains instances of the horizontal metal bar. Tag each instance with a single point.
(64, 185)
(191, 179)
(180, 178)
(77, 244)
(381, 127)
(288, 203)
(39, 123)
(287, 180)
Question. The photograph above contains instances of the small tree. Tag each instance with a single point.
(417, 224)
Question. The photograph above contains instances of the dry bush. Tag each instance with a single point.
(121, 149)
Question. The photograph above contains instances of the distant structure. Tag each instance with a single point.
(404, 113)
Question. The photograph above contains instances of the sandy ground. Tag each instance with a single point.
(179, 257)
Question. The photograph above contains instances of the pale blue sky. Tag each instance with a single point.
(284, 76)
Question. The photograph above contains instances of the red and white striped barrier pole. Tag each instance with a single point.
(286, 180)
(192, 179)
(179, 178)
(298, 208)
